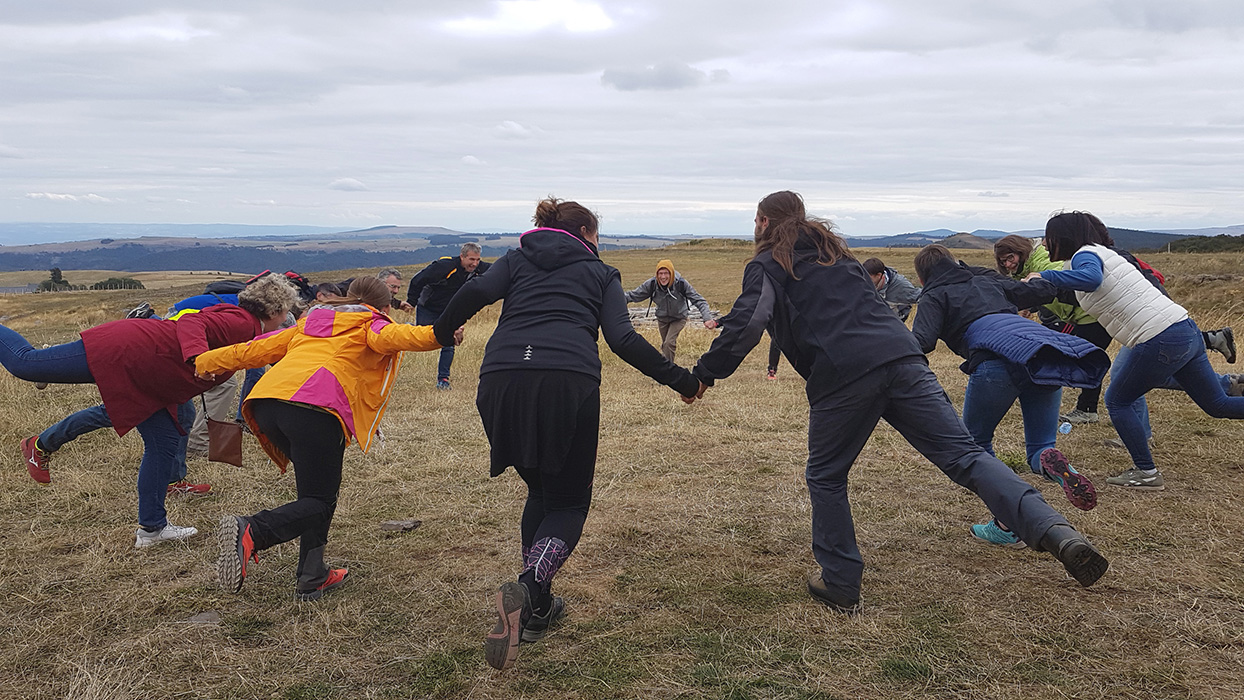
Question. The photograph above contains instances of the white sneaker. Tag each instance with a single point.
(170, 532)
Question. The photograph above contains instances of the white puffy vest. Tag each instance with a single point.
(1128, 305)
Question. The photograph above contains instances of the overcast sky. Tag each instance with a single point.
(665, 116)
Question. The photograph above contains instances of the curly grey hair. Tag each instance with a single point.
(270, 296)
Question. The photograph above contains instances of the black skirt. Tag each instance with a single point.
(545, 420)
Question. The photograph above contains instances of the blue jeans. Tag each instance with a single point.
(87, 420)
(72, 426)
(252, 378)
(1177, 352)
(908, 396)
(991, 393)
(164, 454)
(59, 364)
(426, 317)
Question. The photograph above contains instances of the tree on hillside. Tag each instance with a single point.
(119, 283)
(55, 282)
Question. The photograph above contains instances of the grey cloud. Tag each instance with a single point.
(663, 76)
(347, 184)
(9, 152)
(990, 193)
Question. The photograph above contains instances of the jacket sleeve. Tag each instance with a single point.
(259, 352)
(927, 325)
(1085, 274)
(749, 316)
(1026, 295)
(199, 332)
(615, 325)
(901, 291)
(477, 293)
(432, 273)
(393, 338)
(696, 300)
(643, 291)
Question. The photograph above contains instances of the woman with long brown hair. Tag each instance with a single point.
(862, 364)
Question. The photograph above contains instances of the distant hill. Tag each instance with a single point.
(967, 240)
(1222, 243)
(1128, 239)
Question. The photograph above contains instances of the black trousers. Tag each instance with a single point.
(314, 442)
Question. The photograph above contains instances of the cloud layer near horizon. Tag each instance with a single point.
(674, 117)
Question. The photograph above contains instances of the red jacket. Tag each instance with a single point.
(140, 364)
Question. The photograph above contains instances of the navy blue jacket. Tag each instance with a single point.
(830, 323)
(557, 295)
(1044, 356)
(433, 286)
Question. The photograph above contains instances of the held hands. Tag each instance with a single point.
(710, 324)
(458, 335)
(1032, 275)
(698, 395)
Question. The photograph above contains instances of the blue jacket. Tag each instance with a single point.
(1047, 358)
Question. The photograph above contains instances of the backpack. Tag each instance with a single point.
(224, 287)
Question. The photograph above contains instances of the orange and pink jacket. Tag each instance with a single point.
(341, 359)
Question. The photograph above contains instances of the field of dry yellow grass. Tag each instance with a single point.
(689, 580)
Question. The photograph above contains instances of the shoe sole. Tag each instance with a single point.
(1137, 487)
(501, 645)
(1076, 486)
(1085, 564)
(229, 566)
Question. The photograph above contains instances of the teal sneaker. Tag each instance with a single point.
(993, 533)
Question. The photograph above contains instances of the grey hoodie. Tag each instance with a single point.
(671, 301)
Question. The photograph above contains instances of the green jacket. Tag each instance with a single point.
(1040, 261)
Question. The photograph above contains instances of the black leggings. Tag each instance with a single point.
(1096, 334)
(557, 504)
(314, 442)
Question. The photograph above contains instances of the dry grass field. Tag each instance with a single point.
(689, 580)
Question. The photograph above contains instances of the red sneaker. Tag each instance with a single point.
(772, 374)
(36, 460)
(189, 489)
(336, 577)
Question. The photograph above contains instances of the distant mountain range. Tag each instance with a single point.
(240, 248)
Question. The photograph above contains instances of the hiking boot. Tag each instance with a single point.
(513, 612)
(1079, 558)
(772, 374)
(168, 533)
(336, 578)
(1223, 341)
(993, 533)
(539, 625)
(1137, 480)
(1079, 489)
(832, 599)
(1078, 417)
(36, 460)
(236, 549)
(186, 488)
(1235, 384)
(443, 384)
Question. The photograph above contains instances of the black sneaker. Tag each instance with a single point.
(1079, 558)
(831, 598)
(539, 625)
(513, 612)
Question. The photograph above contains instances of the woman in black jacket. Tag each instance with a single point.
(862, 364)
(539, 395)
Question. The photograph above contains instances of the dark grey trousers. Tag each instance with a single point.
(909, 398)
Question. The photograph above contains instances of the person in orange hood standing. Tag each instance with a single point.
(672, 295)
(331, 384)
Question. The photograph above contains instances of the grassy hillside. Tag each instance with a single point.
(688, 582)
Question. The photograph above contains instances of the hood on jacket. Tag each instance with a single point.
(552, 248)
(667, 265)
(325, 320)
(946, 271)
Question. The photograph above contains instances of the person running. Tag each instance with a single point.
(1161, 343)
(143, 371)
(539, 396)
(331, 385)
(976, 312)
(433, 287)
(673, 295)
(862, 364)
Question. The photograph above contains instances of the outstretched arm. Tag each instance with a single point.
(615, 325)
(388, 338)
(643, 291)
(435, 271)
(474, 295)
(750, 315)
(928, 323)
(259, 352)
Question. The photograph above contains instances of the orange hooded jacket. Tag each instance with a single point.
(341, 359)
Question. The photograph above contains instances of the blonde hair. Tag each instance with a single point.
(270, 296)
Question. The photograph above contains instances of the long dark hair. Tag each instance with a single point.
(1069, 231)
(788, 222)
